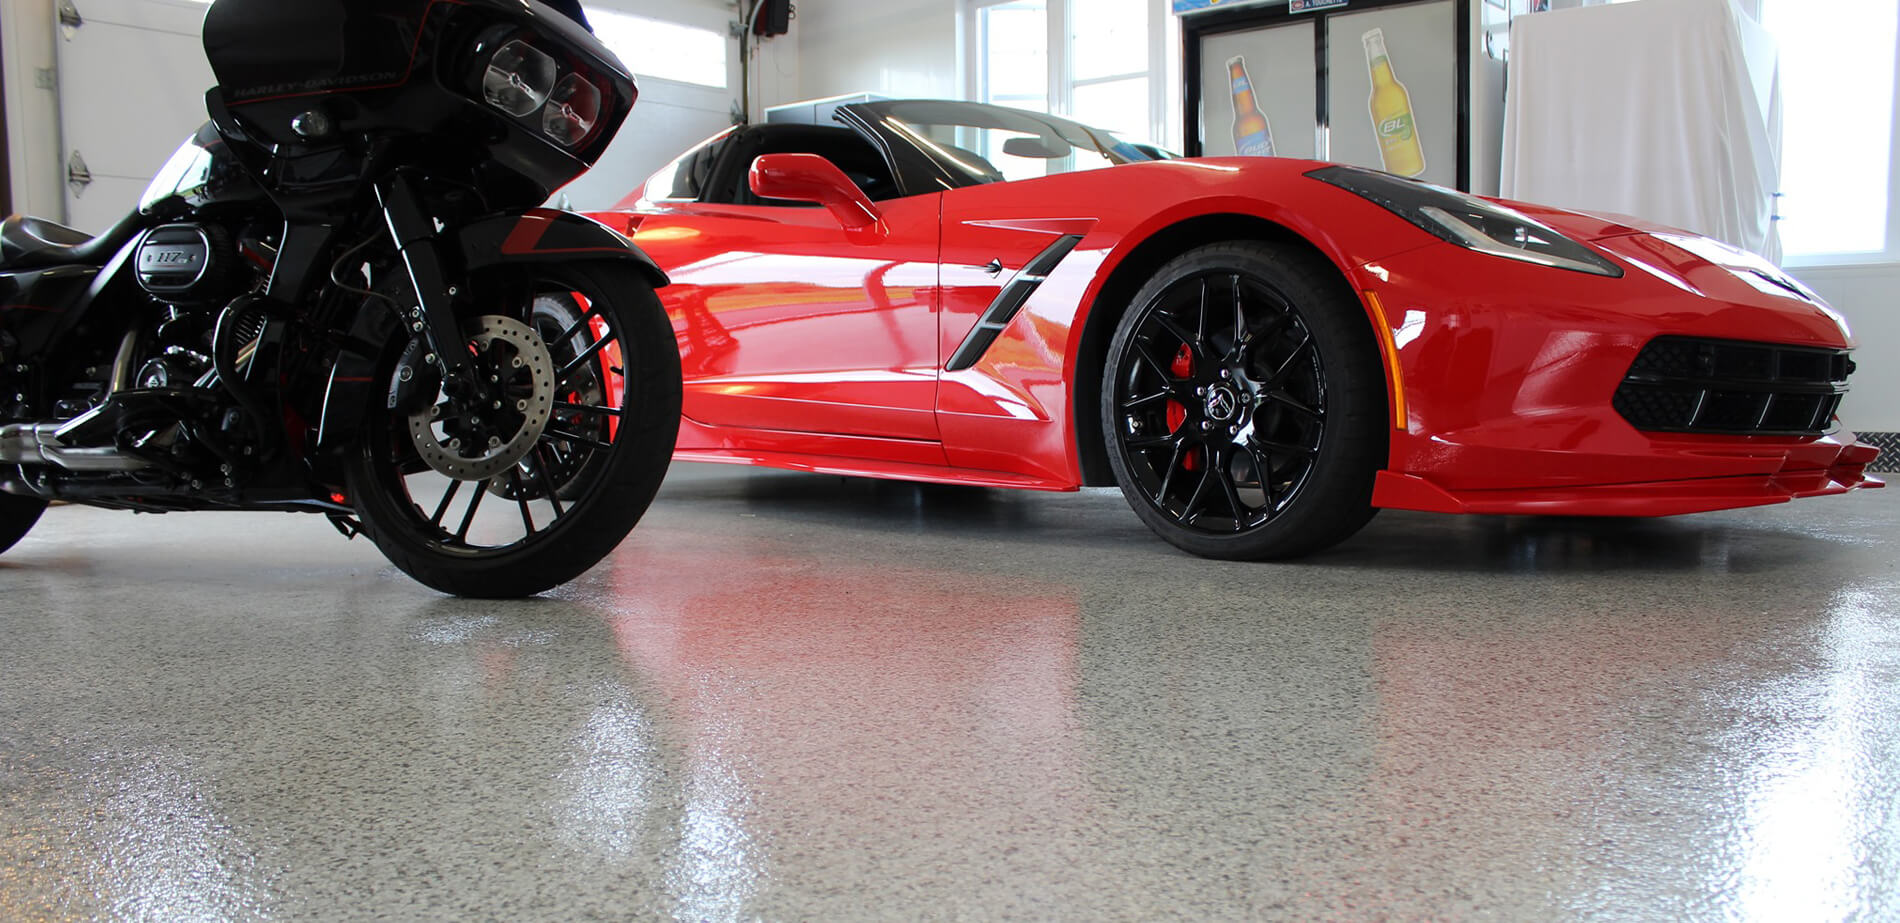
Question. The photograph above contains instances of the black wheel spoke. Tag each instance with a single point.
(468, 518)
(1225, 475)
(1154, 365)
(1189, 510)
(1146, 399)
(542, 467)
(578, 362)
(1200, 324)
(1286, 447)
(1279, 374)
(1174, 464)
(1263, 464)
(1178, 332)
(1286, 400)
(1143, 443)
(442, 509)
(1240, 323)
(576, 438)
(588, 408)
(521, 497)
(593, 311)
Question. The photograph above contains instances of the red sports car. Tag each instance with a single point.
(1260, 352)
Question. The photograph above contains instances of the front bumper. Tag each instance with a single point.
(1510, 373)
(1824, 467)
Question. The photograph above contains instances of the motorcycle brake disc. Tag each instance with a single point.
(521, 373)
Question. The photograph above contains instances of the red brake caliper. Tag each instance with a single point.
(1182, 367)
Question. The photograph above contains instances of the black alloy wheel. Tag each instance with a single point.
(563, 465)
(1243, 402)
(463, 495)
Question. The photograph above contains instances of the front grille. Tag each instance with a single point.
(1690, 385)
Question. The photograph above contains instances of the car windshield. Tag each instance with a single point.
(992, 144)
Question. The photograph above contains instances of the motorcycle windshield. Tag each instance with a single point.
(187, 174)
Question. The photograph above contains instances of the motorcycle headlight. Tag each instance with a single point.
(1469, 221)
(518, 79)
(572, 111)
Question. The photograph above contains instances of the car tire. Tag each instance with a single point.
(17, 516)
(1243, 403)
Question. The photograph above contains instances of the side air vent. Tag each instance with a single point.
(1691, 385)
(1009, 301)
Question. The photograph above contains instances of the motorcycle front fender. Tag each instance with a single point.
(544, 235)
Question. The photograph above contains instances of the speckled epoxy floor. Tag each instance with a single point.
(793, 697)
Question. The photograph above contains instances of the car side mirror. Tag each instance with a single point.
(811, 178)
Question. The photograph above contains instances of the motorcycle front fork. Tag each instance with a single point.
(433, 317)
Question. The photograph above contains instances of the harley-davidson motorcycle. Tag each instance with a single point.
(340, 297)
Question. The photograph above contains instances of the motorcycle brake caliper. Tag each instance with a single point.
(417, 381)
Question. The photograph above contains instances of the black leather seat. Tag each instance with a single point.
(29, 243)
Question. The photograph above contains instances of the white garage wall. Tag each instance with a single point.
(1865, 296)
(894, 48)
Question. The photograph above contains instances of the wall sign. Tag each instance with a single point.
(1307, 6)
(1196, 6)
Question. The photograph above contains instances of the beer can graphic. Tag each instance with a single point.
(1253, 137)
(1392, 119)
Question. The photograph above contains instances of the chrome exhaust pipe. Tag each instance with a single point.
(38, 444)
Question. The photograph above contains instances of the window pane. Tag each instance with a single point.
(1108, 37)
(1016, 54)
(1837, 125)
(1121, 106)
(667, 50)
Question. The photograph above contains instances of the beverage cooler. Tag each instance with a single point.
(1412, 87)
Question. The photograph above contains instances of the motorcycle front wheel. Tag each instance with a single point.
(538, 481)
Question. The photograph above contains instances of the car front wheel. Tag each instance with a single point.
(1243, 404)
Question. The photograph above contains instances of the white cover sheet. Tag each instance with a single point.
(1668, 110)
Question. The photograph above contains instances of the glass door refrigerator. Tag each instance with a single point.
(1412, 87)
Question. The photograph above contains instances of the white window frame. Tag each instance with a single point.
(1163, 70)
(1890, 255)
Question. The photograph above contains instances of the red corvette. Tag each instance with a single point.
(1260, 352)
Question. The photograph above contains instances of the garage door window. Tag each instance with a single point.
(1105, 63)
(667, 50)
(1837, 129)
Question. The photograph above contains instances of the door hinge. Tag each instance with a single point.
(78, 176)
(46, 78)
(69, 16)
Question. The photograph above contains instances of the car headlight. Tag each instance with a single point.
(518, 79)
(1469, 221)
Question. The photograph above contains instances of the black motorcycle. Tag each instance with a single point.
(340, 297)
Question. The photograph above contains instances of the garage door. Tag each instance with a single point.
(688, 67)
(132, 78)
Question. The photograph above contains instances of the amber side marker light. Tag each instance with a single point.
(1390, 348)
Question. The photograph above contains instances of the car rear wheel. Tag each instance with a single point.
(1243, 404)
(17, 516)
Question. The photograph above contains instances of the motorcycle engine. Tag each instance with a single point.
(189, 264)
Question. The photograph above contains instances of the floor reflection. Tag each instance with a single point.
(798, 697)
(849, 703)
